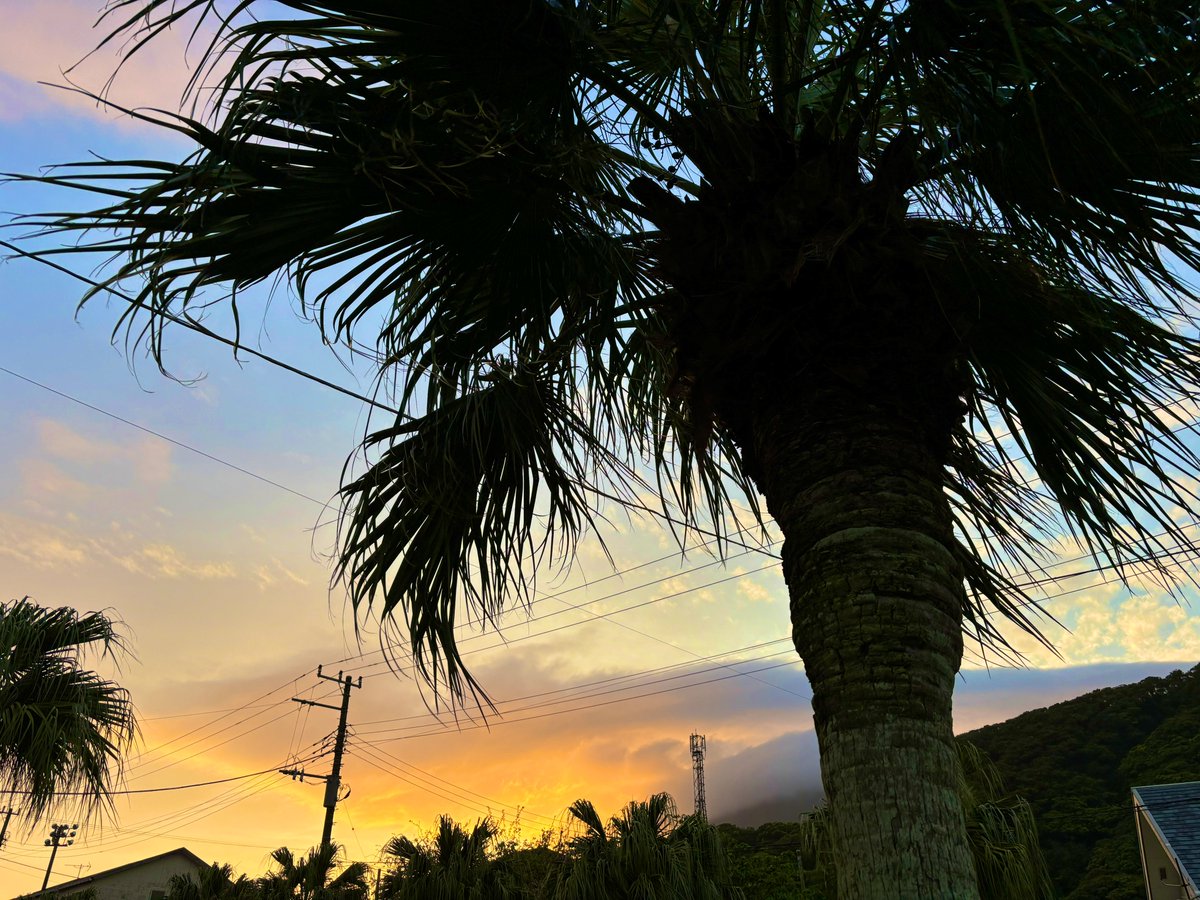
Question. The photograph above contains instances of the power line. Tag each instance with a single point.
(148, 756)
(456, 788)
(370, 755)
(163, 437)
(595, 616)
(193, 325)
(596, 683)
(599, 693)
(499, 722)
(201, 712)
(157, 790)
(670, 596)
(587, 583)
(210, 748)
(194, 813)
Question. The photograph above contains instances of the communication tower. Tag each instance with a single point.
(697, 745)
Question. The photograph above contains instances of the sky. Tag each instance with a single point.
(196, 511)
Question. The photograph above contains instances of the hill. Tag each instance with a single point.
(1075, 763)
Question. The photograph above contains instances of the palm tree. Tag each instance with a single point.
(1003, 836)
(311, 877)
(647, 852)
(455, 863)
(213, 883)
(63, 729)
(864, 261)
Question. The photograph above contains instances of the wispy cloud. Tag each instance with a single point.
(42, 41)
(42, 547)
(276, 573)
(165, 561)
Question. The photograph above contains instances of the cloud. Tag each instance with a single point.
(41, 41)
(147, 458)
(277, 573)
(165, 561)
(43, 481)
(1108, 623)
(40, 546)
(755, 592)
(45, 546)
(742, 792)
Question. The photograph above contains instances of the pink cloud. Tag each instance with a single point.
(42, 41)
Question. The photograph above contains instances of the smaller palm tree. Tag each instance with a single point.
(63, 729)
(213, 883)
(455, 863)
(311, 877)
(1002, 832)
(648, 852)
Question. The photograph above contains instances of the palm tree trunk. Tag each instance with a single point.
(876, 603)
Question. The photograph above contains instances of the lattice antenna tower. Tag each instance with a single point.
(697, 746)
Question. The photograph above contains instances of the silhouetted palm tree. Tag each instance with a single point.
(312, 877)
(647, 852)
(455, 863)
(822, 252)
(216, 882)
(63, 728)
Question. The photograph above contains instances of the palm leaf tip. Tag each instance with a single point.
(465, 504)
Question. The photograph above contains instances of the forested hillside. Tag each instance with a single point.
(1075, 763)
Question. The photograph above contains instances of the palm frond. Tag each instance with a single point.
(63, 729)
(466, 503)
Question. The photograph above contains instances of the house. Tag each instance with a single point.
(1168, 829)
(144, 879)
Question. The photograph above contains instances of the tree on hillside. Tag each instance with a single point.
(827, 254)
(455, 862)
(63, 728)
(647, 852)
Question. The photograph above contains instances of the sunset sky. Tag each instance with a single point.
(195, 511)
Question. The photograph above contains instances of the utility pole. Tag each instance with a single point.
(57, 833)
(9, 812)
(333, 781)
(697, 745)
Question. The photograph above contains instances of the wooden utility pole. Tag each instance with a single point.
(9, 812)
(333, 781)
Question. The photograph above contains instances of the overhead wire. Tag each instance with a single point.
(182, 817)
(456, 789)
(135, 425)
(154, 790)
(158, 434)
(498, 633)
(193, 325)
(503, 713)
(156, 753)
(500, 722)
(371, 758)
(627, 676)
(248, 472)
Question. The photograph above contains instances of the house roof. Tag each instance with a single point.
(88, 879)
(1175, 811)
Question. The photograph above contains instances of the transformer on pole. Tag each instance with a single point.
(697, 747)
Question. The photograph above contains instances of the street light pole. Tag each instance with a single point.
(57, 834)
